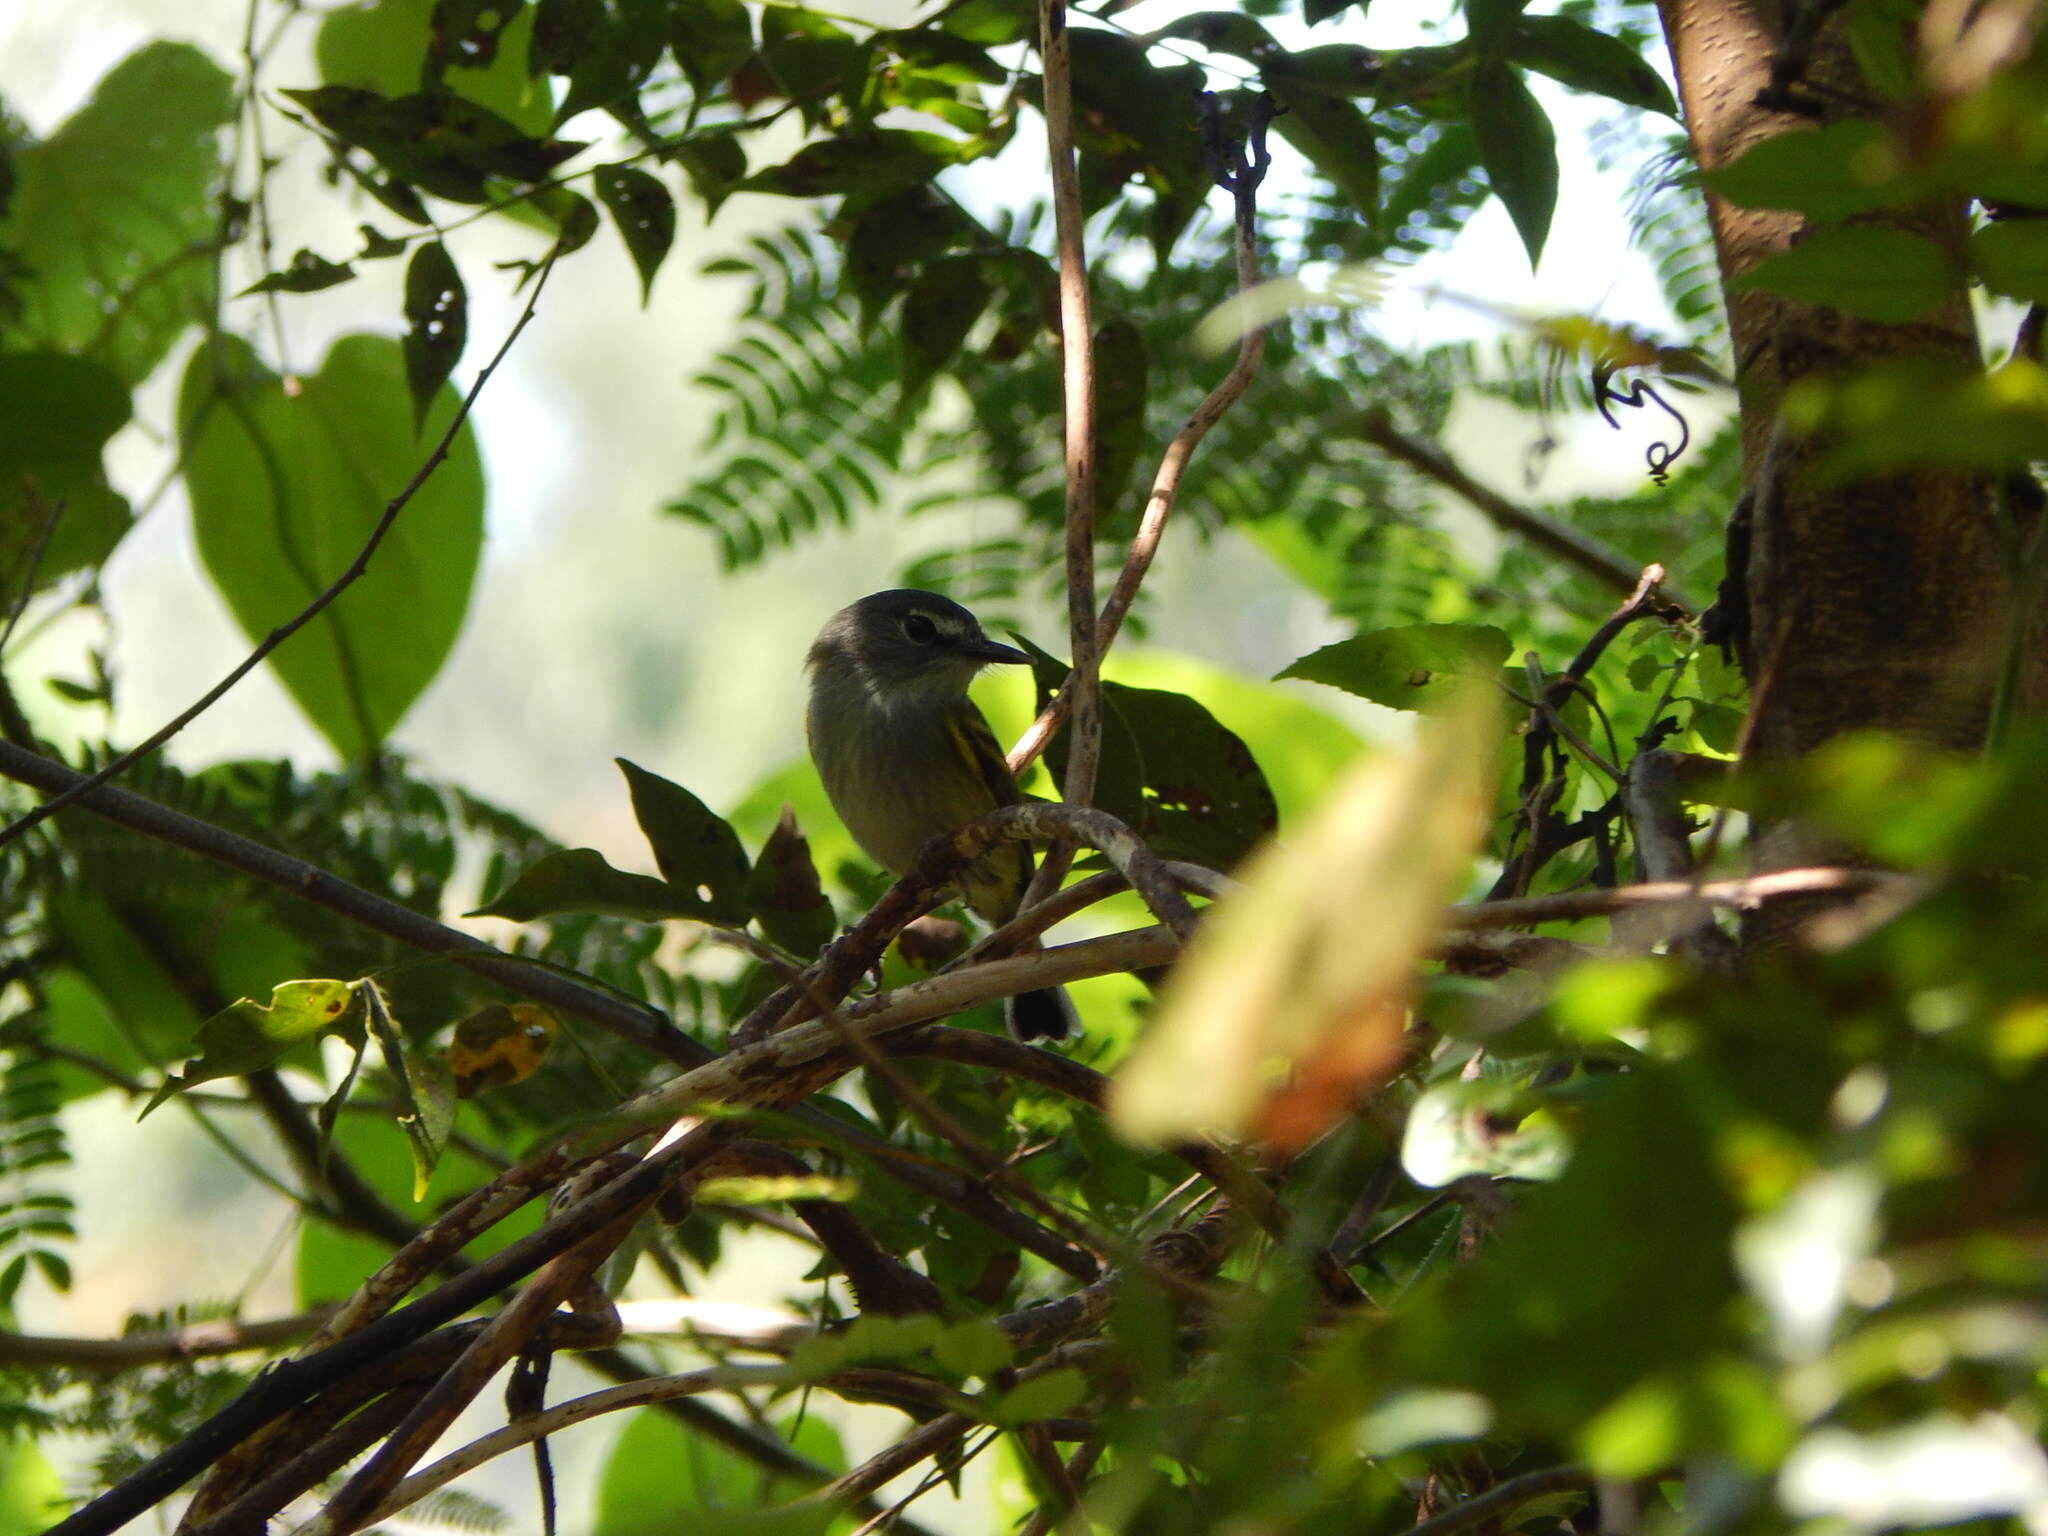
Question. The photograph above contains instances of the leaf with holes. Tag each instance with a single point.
(645, 213)
(249, 1035)
(439, 142)
(286, 487)
(698, 853)
(309, 272)
(1425, 667)
(437, 321)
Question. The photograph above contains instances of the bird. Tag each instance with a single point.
(905, 755)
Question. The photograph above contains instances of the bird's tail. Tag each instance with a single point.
(1046, 1014)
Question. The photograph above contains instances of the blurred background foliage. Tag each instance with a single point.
(1636, 1245)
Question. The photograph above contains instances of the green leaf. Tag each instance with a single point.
(426, 1095)
(1887, 275)
(784, 894)
(863, 167)
(715, 164)
(394, 47)
(1573, 54)
(579, 880)
(893, 238)
(976, 1347)
(1042, 1397)
(1518, 149)
(437, 324)
(439, 142)
(1551, 1337)
(2012, 258)
(115, 215)
(808, 56)
(249, 1035)
(938, 312)
(645, 213)
(661, 1477)
(1490, 23)
(710, 39)
(1880, 33)
(285, 489)
(1174, 773)
(1120, 436)
(606, 48)
(60, 411)
(1825, 173)
(1337, 139)
(1137, 113)
(1424, 667)
(308, 273)
(697, 852)
(872, 1338)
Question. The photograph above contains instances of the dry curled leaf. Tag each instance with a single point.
(1292, 999)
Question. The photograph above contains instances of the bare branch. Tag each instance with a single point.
(193, 1341)
(1553, 538)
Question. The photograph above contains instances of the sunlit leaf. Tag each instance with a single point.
(287, 482)
(1426, 667)
(114, 214)
(250, 1035)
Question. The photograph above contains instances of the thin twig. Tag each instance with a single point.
(1567, 544)
(312, 610)
(1742, 895)
(1077, 390)
(51, 517)
(1242, 181)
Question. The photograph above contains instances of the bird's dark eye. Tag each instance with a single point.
(921, 629)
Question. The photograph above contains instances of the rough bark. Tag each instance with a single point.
(1871, 604)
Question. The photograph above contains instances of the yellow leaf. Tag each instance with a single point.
(499, 1044)
(1292, 998)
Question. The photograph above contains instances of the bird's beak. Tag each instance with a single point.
(987, 650)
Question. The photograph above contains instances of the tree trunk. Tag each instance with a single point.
(1871, 604)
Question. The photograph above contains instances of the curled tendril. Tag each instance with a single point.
(1659, 455)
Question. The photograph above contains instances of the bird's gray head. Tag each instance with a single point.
(904, 644)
